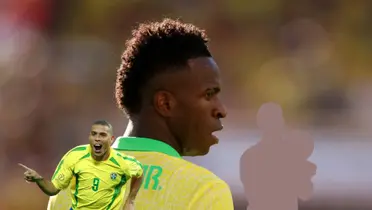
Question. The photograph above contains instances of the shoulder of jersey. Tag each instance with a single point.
(198, 172)
(186, 167)
(123, 156)
(78, 150)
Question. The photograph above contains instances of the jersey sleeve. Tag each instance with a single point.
(132, 167)
(216, 196)
(64, 172)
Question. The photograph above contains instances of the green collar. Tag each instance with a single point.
(144, 144)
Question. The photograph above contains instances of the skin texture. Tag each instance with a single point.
(100, 135)
(183, 108)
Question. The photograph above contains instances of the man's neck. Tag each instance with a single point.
(152, 130)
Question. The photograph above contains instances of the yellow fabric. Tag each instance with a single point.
(95, 184)
(170, 183)
(175, 184)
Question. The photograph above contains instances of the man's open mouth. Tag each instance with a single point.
(97, 147)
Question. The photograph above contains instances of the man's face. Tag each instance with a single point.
(100, 139)
(198, 108)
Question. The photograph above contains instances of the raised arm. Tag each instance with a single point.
(60, 180)
(46, 186)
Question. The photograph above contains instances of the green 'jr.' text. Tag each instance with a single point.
(151, 173)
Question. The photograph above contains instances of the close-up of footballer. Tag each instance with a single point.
(168, 85)
(100, 174)
(189, 105)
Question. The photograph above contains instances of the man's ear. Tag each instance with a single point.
(112, 139)
(164, 103)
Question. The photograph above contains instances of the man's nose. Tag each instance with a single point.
(220, 112)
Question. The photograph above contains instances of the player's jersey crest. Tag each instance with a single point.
(113, 176)
(61, 177)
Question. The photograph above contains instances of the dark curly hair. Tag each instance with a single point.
(154, 48)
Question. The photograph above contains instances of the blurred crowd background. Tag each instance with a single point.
(58, 63)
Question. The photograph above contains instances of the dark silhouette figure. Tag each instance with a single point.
(275, 172)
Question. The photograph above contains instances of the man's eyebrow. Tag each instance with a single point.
(217, 89)
(214, 89)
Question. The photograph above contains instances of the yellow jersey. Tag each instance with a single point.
(98, 185)
(170, 182)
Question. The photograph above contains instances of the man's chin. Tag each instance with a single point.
(196, 152)
(99, 154)
(214, 140)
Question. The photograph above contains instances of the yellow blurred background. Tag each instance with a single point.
(58, 62)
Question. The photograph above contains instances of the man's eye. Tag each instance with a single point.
(209, 94)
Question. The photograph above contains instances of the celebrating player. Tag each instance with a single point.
(168, 85)
(99, 172)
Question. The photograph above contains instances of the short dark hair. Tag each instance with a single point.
(104, 123)
(154, 48)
